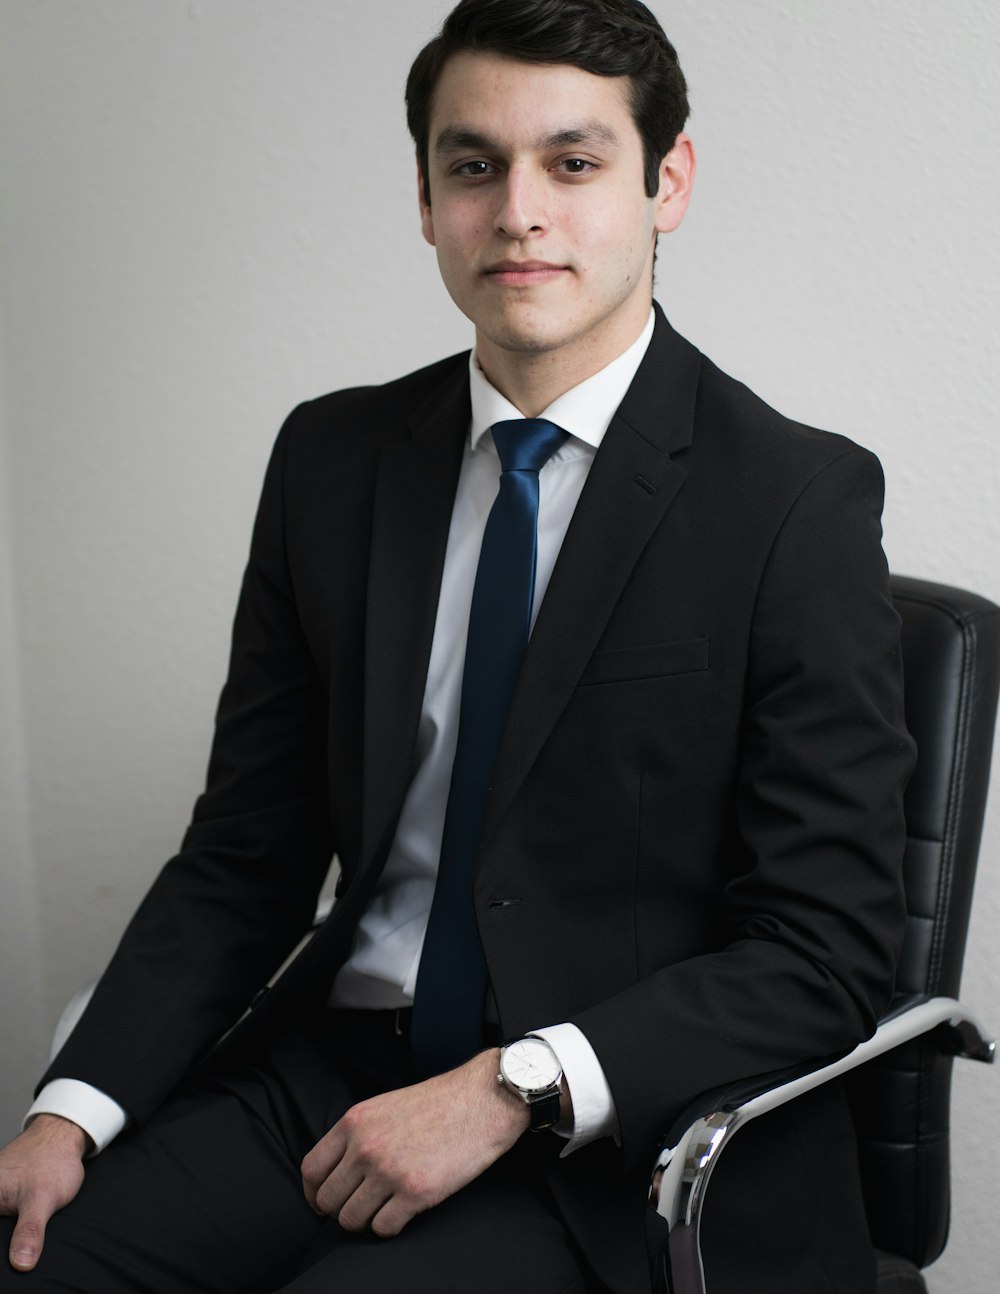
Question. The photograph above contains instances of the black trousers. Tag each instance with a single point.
(207, 1199)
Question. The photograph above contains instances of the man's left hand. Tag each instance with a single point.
(392, 1157)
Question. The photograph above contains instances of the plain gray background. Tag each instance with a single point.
(209, 213)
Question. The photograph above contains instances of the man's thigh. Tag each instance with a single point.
(501, 1232)
(206, 1197)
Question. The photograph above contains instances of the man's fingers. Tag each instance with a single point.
(314, 1170)
(320, 1162)
(28, 1238)
(362, 1205)
(342, 1185)
(393, 1216)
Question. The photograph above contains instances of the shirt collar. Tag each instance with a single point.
(585, 410)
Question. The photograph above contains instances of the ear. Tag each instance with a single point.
(676, 181)
(426, 218)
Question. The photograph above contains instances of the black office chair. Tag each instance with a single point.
(899, 1080)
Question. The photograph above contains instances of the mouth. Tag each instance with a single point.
(522, 274)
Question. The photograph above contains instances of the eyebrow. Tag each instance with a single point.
(454, 139)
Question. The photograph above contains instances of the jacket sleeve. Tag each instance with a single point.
(815, 921)
(226, 911)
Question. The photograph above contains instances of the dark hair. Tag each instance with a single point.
(605, 37)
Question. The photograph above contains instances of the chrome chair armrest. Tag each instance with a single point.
(685, 1164)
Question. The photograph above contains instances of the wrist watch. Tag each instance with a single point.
(530, 1069)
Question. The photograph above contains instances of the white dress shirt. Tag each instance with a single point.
(381, 970)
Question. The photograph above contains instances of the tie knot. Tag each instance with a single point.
(526, 444)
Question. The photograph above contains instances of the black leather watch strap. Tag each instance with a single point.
(544, 1112)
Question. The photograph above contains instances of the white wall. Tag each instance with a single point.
(208, 213)
(21, 1017)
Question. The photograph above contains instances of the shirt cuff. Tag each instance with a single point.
(98, 1115)
(594, 1113)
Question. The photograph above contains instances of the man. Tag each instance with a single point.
(653, 851)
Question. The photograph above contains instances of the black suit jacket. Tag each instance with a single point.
(693, 842)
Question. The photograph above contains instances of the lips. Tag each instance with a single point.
(523, 273)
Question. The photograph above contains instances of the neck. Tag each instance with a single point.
(531, 380)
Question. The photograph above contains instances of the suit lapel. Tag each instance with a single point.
(414, 493)
(630, 488)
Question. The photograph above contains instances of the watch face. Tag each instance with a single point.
(530, 1064)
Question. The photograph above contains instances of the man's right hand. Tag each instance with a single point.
(40, 1172)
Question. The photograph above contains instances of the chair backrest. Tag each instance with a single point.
(951, 664)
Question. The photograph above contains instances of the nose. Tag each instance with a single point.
(522, 208)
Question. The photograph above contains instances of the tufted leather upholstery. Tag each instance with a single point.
(951, 658)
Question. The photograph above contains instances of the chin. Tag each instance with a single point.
(526, 336)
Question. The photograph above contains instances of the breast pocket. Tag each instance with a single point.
(630, 664)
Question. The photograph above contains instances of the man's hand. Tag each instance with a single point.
(394, 1156)
(40, 1172)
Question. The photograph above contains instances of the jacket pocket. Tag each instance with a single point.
(627, 664)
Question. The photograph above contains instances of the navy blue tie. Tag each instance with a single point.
(447, 1025)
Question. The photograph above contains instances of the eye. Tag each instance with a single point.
(576, 166)
(475, 170)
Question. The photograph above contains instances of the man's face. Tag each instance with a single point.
(543, 230)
